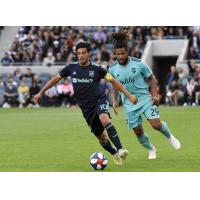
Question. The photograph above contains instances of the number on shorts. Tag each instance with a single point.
(154, 112)
(104, 107)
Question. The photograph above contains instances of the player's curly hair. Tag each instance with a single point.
(120, 38)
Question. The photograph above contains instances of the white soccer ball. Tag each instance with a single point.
(98, 161)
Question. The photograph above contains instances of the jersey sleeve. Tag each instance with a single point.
(146, 71)
(111, 71)
(65, 72)
(102, 72)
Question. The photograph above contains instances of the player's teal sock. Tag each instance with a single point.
(108, 147)
(144, 141)
(165, 130)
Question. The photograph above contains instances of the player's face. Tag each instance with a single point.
(122, 55)
(83, 56)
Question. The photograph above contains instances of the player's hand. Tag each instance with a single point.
(133, 99)
(155, 100)
(115, 107)
(36, 98)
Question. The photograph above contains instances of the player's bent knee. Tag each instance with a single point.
(138, 131)
(157, 125)
(105, 121)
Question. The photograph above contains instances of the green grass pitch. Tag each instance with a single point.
(58, 140)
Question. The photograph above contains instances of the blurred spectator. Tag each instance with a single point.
(17, 74)
(56, 47)
(100, 37)
(66, 93)
(6, 60)
(197, 92)
(175, 93)
(2, 91)
(190, 93)
(103, 55)
(136, 52)
(23, 94)
(172, 75)
(59, 58)
(28, 77)
(49, 60)
(194, 41)
(193, 53)
(192, 67)
(10, 95)
(51, 97)
(38, 59)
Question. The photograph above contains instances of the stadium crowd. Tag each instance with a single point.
(183, 88)
(20, 88)
(47, 46)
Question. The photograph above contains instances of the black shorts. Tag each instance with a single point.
(91, 116)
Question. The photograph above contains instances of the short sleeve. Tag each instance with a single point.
(111, 71)
(102, 72)
(65, 72)
(146, 71)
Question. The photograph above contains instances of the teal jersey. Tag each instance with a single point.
(133, 76)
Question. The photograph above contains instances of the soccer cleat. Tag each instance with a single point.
(152, 153)
(123, 153)
(174, 142)
(117, 159)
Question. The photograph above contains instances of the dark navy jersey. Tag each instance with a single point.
(85, 82)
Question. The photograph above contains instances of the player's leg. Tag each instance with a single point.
(106, 144)
(152, 114)
(98, 130)
(104, 116)
(135, 123)
(112, 134)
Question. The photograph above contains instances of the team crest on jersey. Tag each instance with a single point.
(133, 70)
(91, 73)
(74, 73)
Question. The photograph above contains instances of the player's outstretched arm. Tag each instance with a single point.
(115, 102)
(48, 85)
(117, 85)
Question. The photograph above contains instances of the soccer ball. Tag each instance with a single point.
(98, 161)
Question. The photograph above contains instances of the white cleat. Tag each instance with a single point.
(117, 159)
(152, 154)
(123, 153)
(174, 142)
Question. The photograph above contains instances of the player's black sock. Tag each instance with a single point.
(108, 147)
(112, 134)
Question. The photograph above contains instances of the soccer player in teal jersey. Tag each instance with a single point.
(137, 77)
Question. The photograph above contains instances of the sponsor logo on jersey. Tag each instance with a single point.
(91, 73)
(82, 80)
(127, 80)
(133, 70)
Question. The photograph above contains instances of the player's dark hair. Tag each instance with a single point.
(83, 45)
(120, 39)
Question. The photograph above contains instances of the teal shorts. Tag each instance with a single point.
(134, 118)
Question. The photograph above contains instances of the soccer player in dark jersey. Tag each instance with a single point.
(85, 78)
